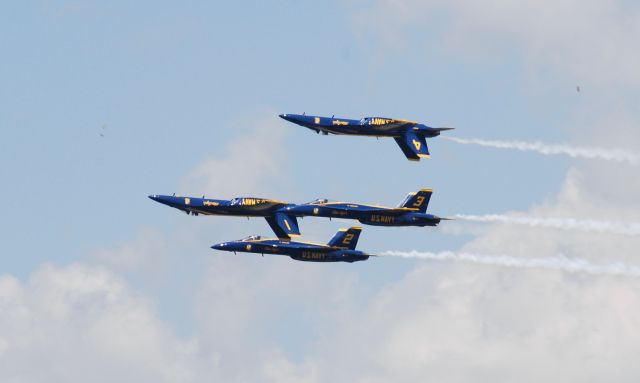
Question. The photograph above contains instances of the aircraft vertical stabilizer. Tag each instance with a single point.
(413, 145)
(347, 238)
(417, 200)
(284, 225)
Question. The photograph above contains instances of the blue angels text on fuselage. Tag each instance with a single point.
(282, 216)
(409, 135)
(283, 225)
(341, 248)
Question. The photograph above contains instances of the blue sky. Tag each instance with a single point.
(172, 87)
(178, 86)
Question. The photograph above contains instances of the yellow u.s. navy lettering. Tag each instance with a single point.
(379, 218)
(313, 255)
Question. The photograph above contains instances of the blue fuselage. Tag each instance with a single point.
(243, 206)
(368, 126)
(366, 214)
(296, 250)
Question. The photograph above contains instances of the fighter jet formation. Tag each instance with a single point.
(282, 217)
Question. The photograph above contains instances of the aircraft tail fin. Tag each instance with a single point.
(347, 238)
(417, 200)
(413, 145)
(285, 226)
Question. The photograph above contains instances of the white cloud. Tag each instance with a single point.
(496, 325)
(81, 323)
(578, 198)
(149, 247)
(592, 41)
(253, 162)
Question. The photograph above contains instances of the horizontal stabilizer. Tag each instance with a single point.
(346, 238)
(430, 132)
(413, 145)
(442, 129)
(285, 226)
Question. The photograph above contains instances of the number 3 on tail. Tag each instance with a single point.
(419, 201)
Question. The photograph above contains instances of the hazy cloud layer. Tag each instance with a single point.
(84, 323)
(253, 159)
(591, 41)
(81, 323)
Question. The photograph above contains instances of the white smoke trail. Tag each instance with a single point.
(619, 155)
(562, 263)
(588, 225)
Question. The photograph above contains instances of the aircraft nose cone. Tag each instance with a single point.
(289, 117)
(164, 199)
(219, 246)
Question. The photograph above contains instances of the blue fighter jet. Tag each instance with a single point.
(281, 223)
(409, 135)
(410, 212)
(341, 248)
(282, 216)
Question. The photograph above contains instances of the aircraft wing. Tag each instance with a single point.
(413, 145)
(283, 225)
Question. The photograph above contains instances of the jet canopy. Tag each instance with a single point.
(251, 238)
(319, 201)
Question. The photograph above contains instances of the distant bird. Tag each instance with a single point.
(578, 88)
